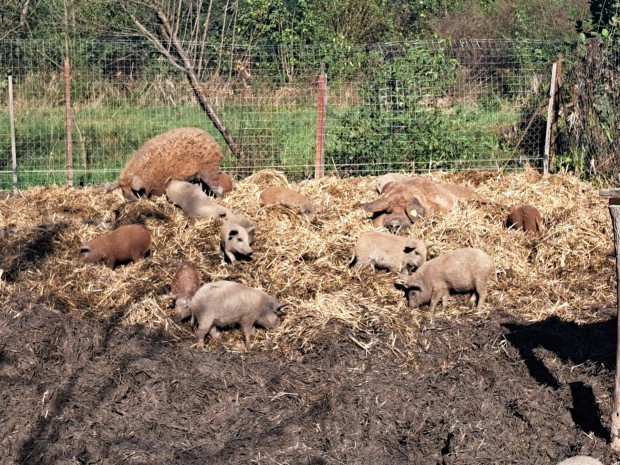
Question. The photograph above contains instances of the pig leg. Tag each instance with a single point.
(481, 290)
(435, 298)
(230, 255)
(110, 262)
(361, 264)
(247, 326)
(204, 326)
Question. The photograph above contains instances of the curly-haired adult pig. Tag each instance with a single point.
(464, 270)
(226, 303)
(185, 283)
(236, 240)
(194, 201)
(388, 251)
(131, 242)
(289, 197)
(186, 154)
(525, 217)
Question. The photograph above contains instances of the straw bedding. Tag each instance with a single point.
(94, 368)
(567, 271)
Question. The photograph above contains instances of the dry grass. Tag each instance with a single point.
(567, 272)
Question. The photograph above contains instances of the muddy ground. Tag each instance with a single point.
(490, 390)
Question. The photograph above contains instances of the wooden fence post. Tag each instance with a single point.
(319, 156)
(550, 118)
(68, 124)
(614, 210)
(12, 125)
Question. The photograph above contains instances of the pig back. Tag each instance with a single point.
(228, 302)
(186, 279)
(459, 269)
(123, 242)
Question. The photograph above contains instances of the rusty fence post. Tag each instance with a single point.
(68, 124)
(614, 209)
(319, 156)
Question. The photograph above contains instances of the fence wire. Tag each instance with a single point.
(417, 106)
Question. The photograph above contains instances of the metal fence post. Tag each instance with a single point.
(319, 156)
(614, 210)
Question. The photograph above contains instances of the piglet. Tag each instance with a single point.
(185, 283)
(289, 197)
(464, 270)
(129, 242)
(194, 201)
(236, 240)
(387, 251)
(525, 217)
(225, 303)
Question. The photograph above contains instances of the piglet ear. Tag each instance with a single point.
(250, 229)
(430, 244)
(279, 308)
(415, 284)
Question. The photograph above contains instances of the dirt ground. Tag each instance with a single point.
(94, 370)
(481, 391)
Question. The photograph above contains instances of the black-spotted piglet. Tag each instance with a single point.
(236, 240)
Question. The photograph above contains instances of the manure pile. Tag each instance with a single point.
(567, 272)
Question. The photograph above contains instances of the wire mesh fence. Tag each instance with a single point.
(413, 106)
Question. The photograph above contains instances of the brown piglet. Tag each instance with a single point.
(185, 283)
(131, 242)
(525, 217)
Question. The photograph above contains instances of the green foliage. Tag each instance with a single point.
(392, 129)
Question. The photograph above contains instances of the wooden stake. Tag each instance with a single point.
(614, 210)
(319, 156)
(69, 144)
(12, 125)
(550, 117)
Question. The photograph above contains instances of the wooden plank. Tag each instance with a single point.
(614, 210)
(609, 192)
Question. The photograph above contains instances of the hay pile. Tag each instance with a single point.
(568, 272)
